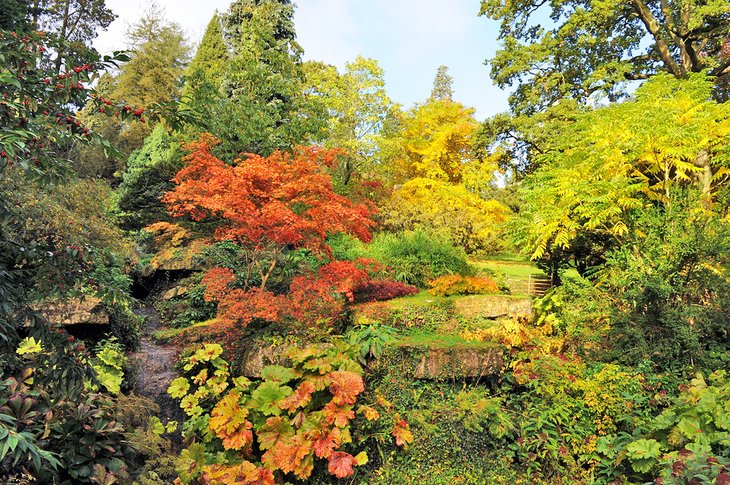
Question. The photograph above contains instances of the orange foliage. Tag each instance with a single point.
(313, 299)
(228, 421)
(279, 201)
(245, 473)
(402, 432)
(341, 463)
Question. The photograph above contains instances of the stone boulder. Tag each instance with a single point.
(493, 306)
(87, 310)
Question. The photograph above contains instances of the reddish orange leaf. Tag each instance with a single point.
(402, 432)
(341, 463)
(300, 398)
(290, 456)
(345, 386)
(326, 441)
(337, 415)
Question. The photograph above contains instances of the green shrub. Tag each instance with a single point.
(688, 440)
(416, 257)
(125, 325)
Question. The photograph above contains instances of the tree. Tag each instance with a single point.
(442, 85)
(72, 25)
(590, 51)
(437, 143)
(469, 221)
(148, 177)
(358, 109)
(160, 54)
(207, 69)
(15, 15)
(150, 79)
(265, 109)
(592, 48)
(618, 159)
(267, 205)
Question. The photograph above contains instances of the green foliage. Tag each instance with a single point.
(370, 339)
(670, 288)
(81, 430)
(416, 257)
(459, 430)
(358, 111)
(209, 63)
(148, 177)
(188, 308)
(613, 161)
(150, 79)
(108, 364)
(18, 447)
(263, 107)
(691, 436)
(590, 49)
(160, 52)
(442, 88)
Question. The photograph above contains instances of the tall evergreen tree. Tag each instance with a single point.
(264, 80)
(442, 84)
(209, 62)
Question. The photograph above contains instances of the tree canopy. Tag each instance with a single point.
(589, 49)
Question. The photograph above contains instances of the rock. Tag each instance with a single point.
(457, 362)
(259, 356)
(174, 292)
(87, 310)
(493, 306)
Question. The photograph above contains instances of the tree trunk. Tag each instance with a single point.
(705, 177)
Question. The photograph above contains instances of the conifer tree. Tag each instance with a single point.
(264, 80)
(209, 64)
(442, 84)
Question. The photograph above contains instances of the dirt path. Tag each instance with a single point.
(155, 365)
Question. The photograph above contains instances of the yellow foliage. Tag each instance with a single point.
(437, 144)
(468, 220)
(176, 247)
(517, 333)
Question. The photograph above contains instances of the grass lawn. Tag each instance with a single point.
(510, 266)
(513, 266)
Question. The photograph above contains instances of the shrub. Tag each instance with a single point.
(462, 285)
(690, 435)
(295, 419)
(380, 290)
(415, 257)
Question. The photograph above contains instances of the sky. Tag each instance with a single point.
(409, 39)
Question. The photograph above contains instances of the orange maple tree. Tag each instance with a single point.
(266, 205)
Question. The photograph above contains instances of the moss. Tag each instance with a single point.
(168, 334)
